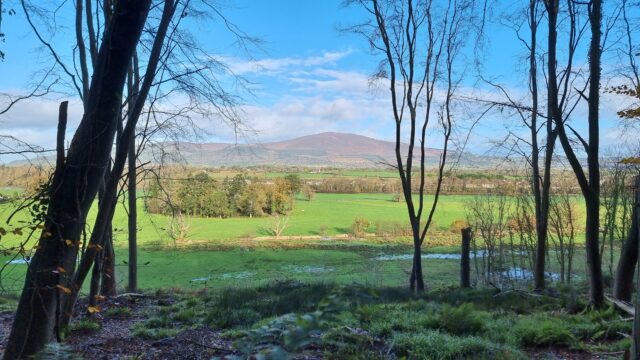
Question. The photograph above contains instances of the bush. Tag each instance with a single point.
(359, 226)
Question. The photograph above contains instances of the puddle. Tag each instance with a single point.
(238, 275)
(524, 274)
(17, 261)
(308, 269)
(441, 256)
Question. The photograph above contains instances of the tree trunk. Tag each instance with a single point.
(594, 268)
(465, 269)
(133, 220)
(96, 273)
(106, 210)
(596, 290)
(623, 282)
(635, 345)
(416, 281)
(75, 185)
(108, 284)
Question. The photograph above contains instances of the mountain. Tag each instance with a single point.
(324, 149)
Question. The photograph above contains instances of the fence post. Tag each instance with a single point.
(465, 268)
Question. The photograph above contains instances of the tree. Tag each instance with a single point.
(623, 280)
(589, 181)
(420, 42)
(74, 187)
(294, 182)
(106, 209)
(308, 192)
(537, 151)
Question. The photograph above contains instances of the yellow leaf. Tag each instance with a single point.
(63, 289)
(100, 298)
(46, 234)
(93, 309)
(71, 243)
(61, 270)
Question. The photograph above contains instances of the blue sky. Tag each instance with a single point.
(308, 77)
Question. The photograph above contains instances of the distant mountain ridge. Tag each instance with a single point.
(327, 149)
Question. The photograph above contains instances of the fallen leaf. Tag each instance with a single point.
(63, 289)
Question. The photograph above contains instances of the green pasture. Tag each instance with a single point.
(333, 213)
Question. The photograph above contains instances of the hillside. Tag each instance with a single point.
(323, 149)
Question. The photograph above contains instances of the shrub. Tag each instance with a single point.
(359, 226)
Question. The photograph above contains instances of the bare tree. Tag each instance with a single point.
(420, 41)
(588, 180)
(535, 149)
(562, 218)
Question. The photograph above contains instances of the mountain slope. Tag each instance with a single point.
(324, 149)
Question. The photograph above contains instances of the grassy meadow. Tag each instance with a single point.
(348, 297)
(336, 212)
(239, 251)
(331, 213)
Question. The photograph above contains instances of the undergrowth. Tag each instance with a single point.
(357, 322)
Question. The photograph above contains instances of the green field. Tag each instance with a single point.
(224, 252)
(335, 211)
(248, 268)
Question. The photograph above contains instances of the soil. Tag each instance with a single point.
(115, 341)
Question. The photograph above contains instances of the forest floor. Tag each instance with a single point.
(289, 319)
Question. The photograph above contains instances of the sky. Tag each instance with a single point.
(306, 77)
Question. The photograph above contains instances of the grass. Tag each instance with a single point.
(247, 267)
(365, 322)
(118, 312)
(334, 212)
(84, 326)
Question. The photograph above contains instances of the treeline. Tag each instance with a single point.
(240, 195)
(464, 182)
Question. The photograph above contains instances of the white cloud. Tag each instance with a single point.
(297, 116)
(270, 66)
(35, 121)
